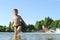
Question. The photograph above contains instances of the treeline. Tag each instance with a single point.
(6, 29)
(48, 22)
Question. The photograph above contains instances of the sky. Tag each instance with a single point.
(30, 10)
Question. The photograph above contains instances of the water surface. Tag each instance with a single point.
(30, 36)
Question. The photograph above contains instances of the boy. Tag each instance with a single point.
(16, 21)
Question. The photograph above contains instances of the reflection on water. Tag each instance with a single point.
(17, 37)
(28, 36)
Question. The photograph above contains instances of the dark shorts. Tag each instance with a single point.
(17, 26)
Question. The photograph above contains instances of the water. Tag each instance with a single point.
(6, 35)
(30, 36)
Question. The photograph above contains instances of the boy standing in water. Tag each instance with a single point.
(16, 21)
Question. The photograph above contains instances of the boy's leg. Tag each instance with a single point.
(19, 29)
(15, 30)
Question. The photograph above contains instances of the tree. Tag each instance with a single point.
(48, 21)
(38, 25)
(30, 28)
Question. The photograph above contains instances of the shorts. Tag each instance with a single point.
(18, 27)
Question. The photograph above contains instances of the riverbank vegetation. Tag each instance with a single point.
(48, 22)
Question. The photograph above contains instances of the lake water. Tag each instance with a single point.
(30, 36)
(6, 35)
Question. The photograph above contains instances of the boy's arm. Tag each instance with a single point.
(12, 23)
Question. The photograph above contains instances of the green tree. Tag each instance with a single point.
(38, 25)
(1, 28)
(48, 21)
(54, 25)
(30, 28)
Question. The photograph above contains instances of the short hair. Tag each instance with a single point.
(16, 10)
